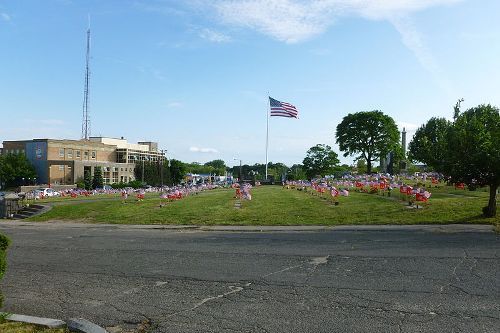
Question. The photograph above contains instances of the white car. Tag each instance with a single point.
(47, 192)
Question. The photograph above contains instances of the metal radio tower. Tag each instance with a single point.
(86, 119)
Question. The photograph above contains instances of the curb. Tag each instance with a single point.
(84, 326)
(79, 325)
(445, 228)
(39, 321)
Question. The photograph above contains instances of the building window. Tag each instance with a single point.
(94, 153)
(77, 152)
(86, 154)
(61, 152)
(115, 176)
(70, 153)
(61, 168)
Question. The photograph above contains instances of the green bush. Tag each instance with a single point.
(135, 184)
(4, 243)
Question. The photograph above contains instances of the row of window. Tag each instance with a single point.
(106, 170)
(115, 169)
(14, 151)
(69, 152)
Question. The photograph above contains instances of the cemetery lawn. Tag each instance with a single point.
(273, 205)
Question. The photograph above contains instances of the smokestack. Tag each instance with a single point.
(403, 141)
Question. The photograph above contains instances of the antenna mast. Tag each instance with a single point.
(86, 119)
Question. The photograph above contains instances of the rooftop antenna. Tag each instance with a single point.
(86, 119)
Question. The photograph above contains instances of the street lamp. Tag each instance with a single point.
(241, 172)
(170, 173)
(161, 167)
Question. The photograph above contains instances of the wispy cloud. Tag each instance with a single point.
(175, 105)
(413, 40)
(214, 36)
(5, 17)
(203, 150)
(156, 73)
(293, 21)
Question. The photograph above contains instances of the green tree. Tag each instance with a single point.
(429, 144)
(296, 172)
(98, 180)
(155, 173)
(369, 135)
(87, 180)
(320, 161)
(14, 168)
(361, 166)
(218, 166)
(177, 171)
(473, 152)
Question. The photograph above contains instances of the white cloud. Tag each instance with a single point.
(203, 150)
(293, 21)
(285, 20)
(214, 36)
(174, 105)
(413, 40)
(5, 17)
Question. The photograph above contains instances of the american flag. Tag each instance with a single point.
(282, 109)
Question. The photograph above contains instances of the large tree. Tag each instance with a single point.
(320, 161)
(473, 153)
(429, 144)
(87, 180)
(369, 135)
(15, 169)
(218, 167)
(97, 180)
(155, 173)
(177, 171)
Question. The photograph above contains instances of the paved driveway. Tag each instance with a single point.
(307, 281)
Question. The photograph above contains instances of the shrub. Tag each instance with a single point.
(4, 243)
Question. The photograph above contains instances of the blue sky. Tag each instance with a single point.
(194, 75)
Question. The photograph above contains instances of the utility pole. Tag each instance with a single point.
(161, 168)
(241, 170)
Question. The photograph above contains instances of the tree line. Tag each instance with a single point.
(465, 150)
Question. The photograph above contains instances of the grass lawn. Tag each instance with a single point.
(14, 327)
(272, 205)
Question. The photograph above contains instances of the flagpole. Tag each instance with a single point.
(267, 131)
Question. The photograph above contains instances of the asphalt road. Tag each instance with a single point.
(196, 281)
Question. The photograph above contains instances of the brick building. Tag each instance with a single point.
(63, 162)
